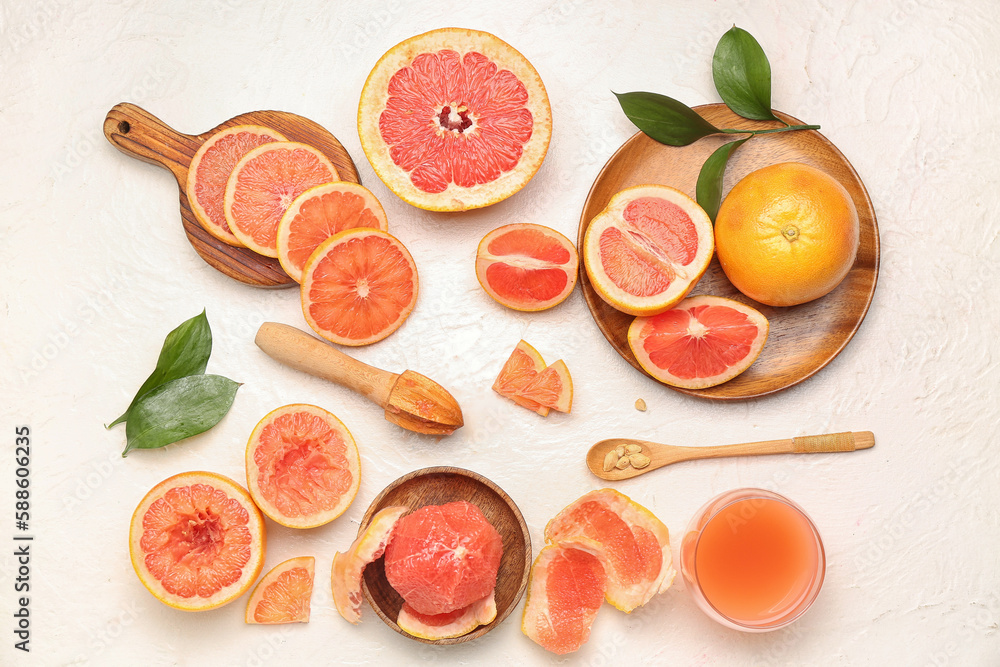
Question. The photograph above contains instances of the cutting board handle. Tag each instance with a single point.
(136, 132)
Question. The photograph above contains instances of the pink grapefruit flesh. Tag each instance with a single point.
(283, 594)
(526, 266)
(520, 369)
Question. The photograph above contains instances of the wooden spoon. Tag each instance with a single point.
(142, 135)
(410, 400)
(600, 455)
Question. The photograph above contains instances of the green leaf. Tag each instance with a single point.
(185, 352)
(665, 119)
(178, 409)
(709, 188)
(742, 75)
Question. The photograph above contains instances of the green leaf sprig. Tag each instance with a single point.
(742, 76)
(178, 400)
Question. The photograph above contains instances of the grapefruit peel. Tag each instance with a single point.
(452, 624)
(283, 594)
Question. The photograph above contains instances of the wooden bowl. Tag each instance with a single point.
(436, 486)
(803, 339)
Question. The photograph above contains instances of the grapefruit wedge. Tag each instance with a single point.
(197, 541)
(647, 249)
(551, 388)
(454, 119)
(520, 369)
(701, 342)
(209, 172)
(636, 544)
(452, 624)
(303, 468)
(527, 267)
(264, 183)
(319, 213)
(345, 575)
(358, 287)
(283, 594)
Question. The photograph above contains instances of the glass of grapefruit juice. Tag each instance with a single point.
(753, 560)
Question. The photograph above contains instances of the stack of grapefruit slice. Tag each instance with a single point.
(526, 380)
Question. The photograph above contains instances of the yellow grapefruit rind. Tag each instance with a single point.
(306, 562)
(349, 566)
(455, 198)
(662, 375)
(484, 260)
(539, 365)
(226, 236)
(680, 287)
(245, 238)
(318, 255)
(353, 463)
(255, 524)
(481, 612)
(621, 597)
(284, 226)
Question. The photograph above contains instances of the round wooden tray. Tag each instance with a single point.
(803, 339)
(436, 486)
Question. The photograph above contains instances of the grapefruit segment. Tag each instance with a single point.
(565, 591)
(527, 267)
(264, 183)
(303, 468)
(636, 544)
(283, 594)
(702, 342)
(520, 368)
(452, 624)
(647, 249)
(349, 566)
(196, 541)
(454, 119)
(319, 213)
(358, 286)
(552, 388)
(209, 172)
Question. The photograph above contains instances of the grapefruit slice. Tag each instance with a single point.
(636, 544)
(565, 591)
(444, 626)
(197, 541)
(210, 169)
(264, 183)
(520, 368)
(303, 468)
(701, 342)
(552, 388)
(454, 119)
(345, 575)
(319, 213)
(647, 249)
(358, 287)
(527, 267)
(283, 594)
(443, 557)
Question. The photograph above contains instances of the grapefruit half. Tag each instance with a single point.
(527, 267)
(303, 468)
(701, 342)
(197, 541)
(521, 367)
(264, 183)
(454, 119)
(452, 624)
(319, 213)
(283, 594)
(209, 172)
(358, 286)
(647, 249)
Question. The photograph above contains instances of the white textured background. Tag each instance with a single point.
(95, 269)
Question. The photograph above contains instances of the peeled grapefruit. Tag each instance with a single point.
(197, 541)
(264, 183)
(518, 371)
(565, 591)
(701, 342)
(647, 249)
(303, 468)
(452, 624)
(454, 119)
(319, 213)
(345, 575)
(283, 594)
(210, 169)
(443, 557)
(636, 544)
(527, 267)
(358, 287)
(787, 234)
